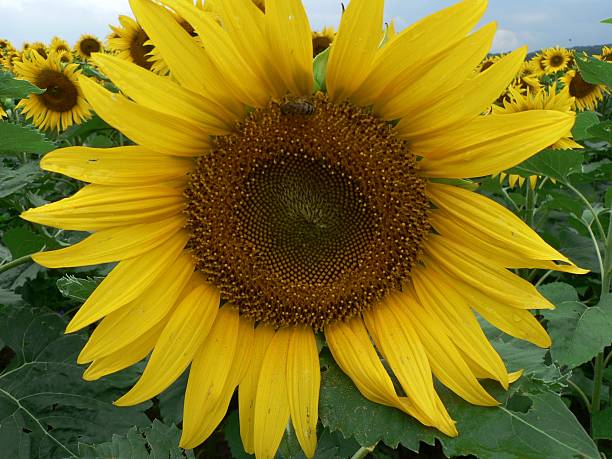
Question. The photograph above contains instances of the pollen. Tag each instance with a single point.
(309, 213)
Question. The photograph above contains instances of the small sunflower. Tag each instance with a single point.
(59, 45)
(606, 54)
(6, 45)
(253, 213)
(87, 45)
(487, 63)
(322, 40)
(2, 112)
(39, 47)
(62, 104)
(586, 95)
(557, 59)
(538, 63)
(131, 43)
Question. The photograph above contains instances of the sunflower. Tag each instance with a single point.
(59, 45)
(63, 103)
(322, 40)
(39, 47)
(586, 95)
(556, 59)
(2, 112)
(486, 63)
(131, 43)
(538, 63)
(606, 54)
(253, 214)
(6, 45)
(87, 45)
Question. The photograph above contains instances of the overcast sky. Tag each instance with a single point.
(536, 23)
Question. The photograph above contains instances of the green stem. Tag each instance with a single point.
(544, 276)
(15, 263)
(364, 451)
(583, 198)
(530, 196)
(581, 394)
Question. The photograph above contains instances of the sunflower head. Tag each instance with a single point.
(486, 63)
(586, 95)
(87, 45)
(606, 54)
(254, 212)
(131, 43)
(538, 63)
(59, 45)
(322, 40)
(62, 104)
(556, 59)
(6, 45)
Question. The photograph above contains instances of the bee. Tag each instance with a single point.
(297, 106)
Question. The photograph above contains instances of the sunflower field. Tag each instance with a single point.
(226, 235)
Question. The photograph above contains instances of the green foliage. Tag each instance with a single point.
(12, 88)
(320, 70)
(45, 406)
(23, 241)
(584, 120)
(155, 442)
(77, 288)
(529, 422)
(557, 164)
(595, 71)
(22, 139)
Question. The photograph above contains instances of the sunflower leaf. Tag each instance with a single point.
(578, 332)
(22, 139)
(595, 71)
(532, 422)
(602, 131)
(21, 241)
(320, 70)
(77, 288)
(557, 164)
(45, 406)
(156, 441)
(584, 120)
(12, 88)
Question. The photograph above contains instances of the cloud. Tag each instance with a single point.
(505, 40)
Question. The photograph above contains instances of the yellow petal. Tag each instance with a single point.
(271, 400)
(490, 220)
(501, 253)
(446, 361)
(187, 60)
(453, 312)
(221, 50)
(289, 33)
(113, 244)
(124, 357)
(120, 166)
(435, 41)
(127, 281)
(215, 373)
(155, 130)
(162, 94)
(303, 383)
(492, 143)
(245, 23)
(477, 271)
(398, 342)
(354, 47)
(414, 90)
(121, 327)
(464, 103)
(98, 207)
(183, 334)
(248, 387)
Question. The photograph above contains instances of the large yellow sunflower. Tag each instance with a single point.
(131, 43)
(253, 213)
(586, 95)
(62, 104)
(87, 45)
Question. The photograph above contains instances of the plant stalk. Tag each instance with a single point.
(15, 263)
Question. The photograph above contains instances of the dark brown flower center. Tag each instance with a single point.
(61, 94)
(139, 51)
(579, 88)
(320, 44)
(88, 46)
(309, 213)
(557, 60)
(486, 65)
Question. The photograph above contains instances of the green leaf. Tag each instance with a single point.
(578, 332)
(12, 88)
(8, 297)
(22, 241)
(542, 428)
(320, 70)
(231, 431)
(42, 391)
(557, 164)
(90, 126)
(607, 21)
(158, 441)
(22, 139)
(584, 120)
(77, 288)
(595, 71)
(602, 424)
(13, 180)
(558, 292)
(602, 131)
